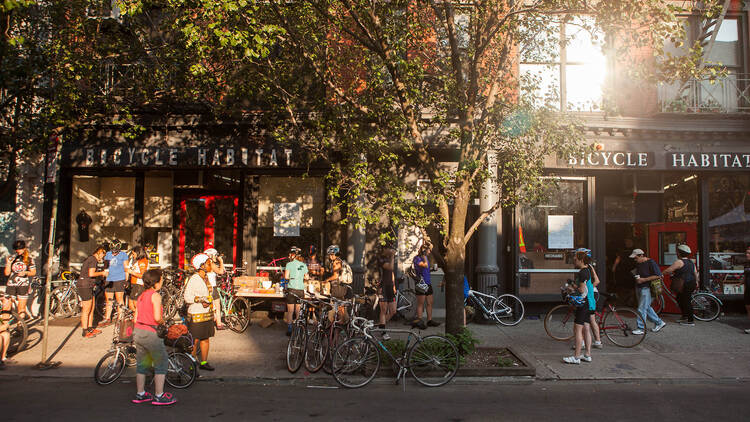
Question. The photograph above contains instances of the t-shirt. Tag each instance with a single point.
(583, 278)
(116, 266)
(139, 266)
(85, 280)
(297, 271)
(17, 266)
(422, 272)
(647, 269)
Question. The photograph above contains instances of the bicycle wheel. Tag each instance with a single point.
(355, 362)
(559, 321)
(657, 303)
(407, 305)
(705, 307)
(109, 368)
(295, 350)
(339, 336)
(70, 304)
(507, 310)
(618, 326)
(239, 316)
(17, 329)
(170, 310)
(181, 370)
(433, 361)
(315, 354)
(55, 308)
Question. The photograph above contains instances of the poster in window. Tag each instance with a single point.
(286, 219)
(560, 231)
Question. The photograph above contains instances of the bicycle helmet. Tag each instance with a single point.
(115, 245)
(211, 252)
(333, 250)
(19, 244)
(295, 250)
(584, 250)
(198, 260)
(313, 250)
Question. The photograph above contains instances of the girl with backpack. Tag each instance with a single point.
(583, 286)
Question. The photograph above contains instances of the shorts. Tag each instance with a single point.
(150, 351)
(135, 291)
(201, 330)
(114, 286)
(291, 299)
(86, 293)
(427, 293)
(386, 294)
(22, 292)
(583, 315)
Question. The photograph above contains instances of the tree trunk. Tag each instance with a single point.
(454, 292)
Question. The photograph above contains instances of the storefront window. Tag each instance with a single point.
(729, 231)
(157, 211)
(547, 232)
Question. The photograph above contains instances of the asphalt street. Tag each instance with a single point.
(26, 399)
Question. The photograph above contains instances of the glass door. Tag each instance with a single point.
(208, 221)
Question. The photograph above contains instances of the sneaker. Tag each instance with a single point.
(432, 323)
(659, 326)
(386, 337)
(206, 366)
(687, 323)
(597, 344)
(89, 334)
(165, 400)
(638, 332)
(585, 358)
(572, 360)
(142, 398)
(95, 331)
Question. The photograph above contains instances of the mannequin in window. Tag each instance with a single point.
(84, 221)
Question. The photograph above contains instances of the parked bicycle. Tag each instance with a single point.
(505, 309)
(406, 300)
(706, 306)
(235, 311)
(432, 360)
(17, 329)
(617, 323)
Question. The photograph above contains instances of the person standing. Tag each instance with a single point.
(647, 270)
(296, 272)
(582, 285)
(315, 268)
(115, 282)
(684, 269)
(150, 348)
(422, 266)
(387, 300)
(85, 288)
(217, 269)
(137, 266)
(18, 269)
(200, 315)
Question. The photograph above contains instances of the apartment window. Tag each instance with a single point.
(563, 65)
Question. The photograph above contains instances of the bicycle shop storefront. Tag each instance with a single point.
(654, 197)
(246, 199)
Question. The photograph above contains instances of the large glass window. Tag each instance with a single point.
(729, 231)
(547, 233)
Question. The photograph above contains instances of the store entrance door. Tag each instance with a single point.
(208, 221)
(663, 239)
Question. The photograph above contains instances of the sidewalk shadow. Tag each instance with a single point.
(34, 338)
(64, 342)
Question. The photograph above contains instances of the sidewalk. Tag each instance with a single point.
(718, 350)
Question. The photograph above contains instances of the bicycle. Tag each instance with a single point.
(559, 321)
(297, 347)
(173, 289)
(505, 309)
(17, 329)
(329, 334)
(235, 311)
(432, 360)
(182, 368)
(706, 306)
(405, 299)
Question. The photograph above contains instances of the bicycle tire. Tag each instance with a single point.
(70, 304)
(17, 330)
(170, 310)
(182, 370)
(355, 362)
(239, 319)
(109, 368)
(295, 350)
(433, 361)
(621, 332)
(410, 312)
(507, 310)
(705, 307)
(315, 351)
(657, 303)
(559, 321)
(340, 335)
(55, 306)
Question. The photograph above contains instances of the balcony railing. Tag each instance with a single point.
(725, 95)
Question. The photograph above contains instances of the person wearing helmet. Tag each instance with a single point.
(136, 267)
(18, 269)
(217, 269)
(684, 269)
(583, 286)
(116, 262)
(198, 296)
(647, 270)
(296, 272)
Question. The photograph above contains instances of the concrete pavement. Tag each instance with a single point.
(714, 351)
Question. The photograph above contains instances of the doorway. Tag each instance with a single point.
(208, 221)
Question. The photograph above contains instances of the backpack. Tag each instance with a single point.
(346, 276)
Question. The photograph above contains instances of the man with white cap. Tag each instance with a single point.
(217, 269)
(200, 315)
(684, 269)
(647, 270)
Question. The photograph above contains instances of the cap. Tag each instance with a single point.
(637, 252)
(198, 260)
(211, 252)
(684, 248)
